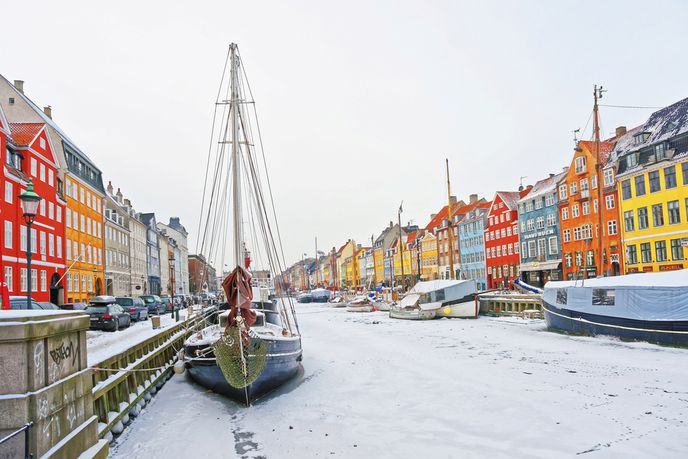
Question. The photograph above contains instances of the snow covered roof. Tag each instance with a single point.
(544, 186)
(433, 285)
(662, 279)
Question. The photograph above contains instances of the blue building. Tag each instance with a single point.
(539, 235)
(471, 230)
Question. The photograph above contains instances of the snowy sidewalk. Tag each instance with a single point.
(375, 387)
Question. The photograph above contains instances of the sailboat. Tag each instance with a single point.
(256, 345)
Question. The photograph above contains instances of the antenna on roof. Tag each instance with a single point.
(520, 182)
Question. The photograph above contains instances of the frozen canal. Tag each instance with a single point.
(375, 387)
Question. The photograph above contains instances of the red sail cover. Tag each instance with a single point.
(239, 281)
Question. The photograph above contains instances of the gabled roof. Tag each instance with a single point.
(662, 125)
(606, 148)
(4, 125)
(544, 186)
(437, 219)
(23, 134)
(510, 198)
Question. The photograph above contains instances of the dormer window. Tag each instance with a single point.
(631, 160)
(640, 137)
(660, 151)
(580, 164)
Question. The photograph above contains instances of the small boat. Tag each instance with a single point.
(305, 298)
(320, 295)
(360, 303)
(640, 307)
(382, 305)
(444, 298)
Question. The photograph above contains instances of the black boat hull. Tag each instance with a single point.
(674, 333)
(283, 363)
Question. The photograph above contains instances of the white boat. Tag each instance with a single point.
(444, 298)
(360, 304)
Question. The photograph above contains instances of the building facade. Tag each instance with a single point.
(177, 232)
(538, 218)
(152, 254)
(28, 157)
(652, 177)
(579, 218)
(501, 239)
(471, 230)
(429, 267)
(117, 245)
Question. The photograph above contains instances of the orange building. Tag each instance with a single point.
(579, 218)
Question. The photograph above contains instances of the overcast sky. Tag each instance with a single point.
(359, 101)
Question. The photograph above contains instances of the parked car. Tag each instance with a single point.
(136, 308)
(19, 302)
(74, 306)
(167, 301)
(154, 304)
(106, 314)
(48, 305)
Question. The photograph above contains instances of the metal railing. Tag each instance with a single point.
(27, 433)
(121, 381)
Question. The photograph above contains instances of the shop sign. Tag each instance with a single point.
(670, 267)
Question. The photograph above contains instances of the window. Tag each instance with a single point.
(593, 182)
(51, 245)
(629, 221)
(34, 279)
(524, 249)
(83, 223)
(632, 160)
(69, 282)
(609, 201)
(657, 215)
(42, 173)
(553, 245)
(51, 178)
(34, 243)
(22, 238)
(8, 191)
(594, 205)
(575, 211)
(9, 282)
(640, 185)
(59, 214)
(611, 227)
(531, 249)
(608, 177)
(603, 297)
(75, 220)
(676, 250)
(562, 191)
(626, 189)
(632, 255)
(551, 219)
(646, 252)
(584, 187)
(550, 199)
(542, 247)
(83, 283)
(586, 208)
(670, 177)
(82, 197)
(540, 222)
(660, 251)
(42, 207)
(569, 260)
(684, 172)
(8, 234)
(34, 167)
(642, 218)
(654, 181)
(590, 258)
(567, 235)
(573, 188)
(76, 283)
(43, 244)
(75, 253)
(580, 165)
(22, 280)
(51, 210)
(44, 281)
(674, 212)
(565, 213)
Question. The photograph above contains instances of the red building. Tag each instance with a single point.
(28, 155)
(501, 239)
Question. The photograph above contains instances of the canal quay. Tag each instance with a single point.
(372, 386)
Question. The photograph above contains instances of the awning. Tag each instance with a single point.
(540, 265)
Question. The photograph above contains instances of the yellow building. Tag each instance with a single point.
(652, 178)
(344, 268)
(84, 229)
(429, 267)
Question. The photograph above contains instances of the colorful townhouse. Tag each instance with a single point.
(578, 213)
(446, 252)
(403, 251)
(501, 239)
(472, 244)
(538, 218)
(83, 190)
(652, 176)
(153, 285)
(429, 268)
(344, 269)
(28, 157)
(381, 248)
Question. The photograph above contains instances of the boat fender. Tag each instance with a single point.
(447, 311)
(180, 354)
(179, 368)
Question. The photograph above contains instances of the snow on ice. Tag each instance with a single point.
(375, 387)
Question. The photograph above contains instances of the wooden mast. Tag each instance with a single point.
(449, 224)
(597, 93)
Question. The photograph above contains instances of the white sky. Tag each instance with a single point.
(359, 101)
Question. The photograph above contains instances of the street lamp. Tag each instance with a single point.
(172, 273)
(29, 202)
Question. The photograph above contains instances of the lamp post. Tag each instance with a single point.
(172, 272)
(29, 202)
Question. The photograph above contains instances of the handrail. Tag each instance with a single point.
(26, 428)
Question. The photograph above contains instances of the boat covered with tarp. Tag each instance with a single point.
(320, 295)
(449, 298)
(644, 306)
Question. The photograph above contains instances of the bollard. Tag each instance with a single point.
(155, 321)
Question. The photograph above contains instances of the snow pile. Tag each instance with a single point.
(375, 387)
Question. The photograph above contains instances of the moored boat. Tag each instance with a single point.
(304, 297)
(360, 304)
(643, 307)
(444, 298)
(320, 295)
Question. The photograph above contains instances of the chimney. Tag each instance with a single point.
(621, 130)
(109, 187)
(473, 198)
(432, 216)
(127, 202)
(48, 110)
(520, 188)
(452, 199)
(390, 223)
(119, 195)
(19, 85)
(551, 175)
